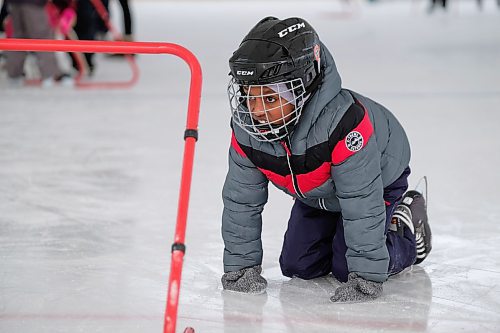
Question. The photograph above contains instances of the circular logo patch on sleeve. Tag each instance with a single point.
(354, 141)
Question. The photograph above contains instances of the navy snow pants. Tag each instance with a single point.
(314, 242)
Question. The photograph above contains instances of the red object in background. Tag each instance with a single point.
(9, 29)
(190, 135)
(67, 20)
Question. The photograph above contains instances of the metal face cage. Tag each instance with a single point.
(267, 112)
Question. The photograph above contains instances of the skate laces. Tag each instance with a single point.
(409, 212)
(420, 236)
(403, 214)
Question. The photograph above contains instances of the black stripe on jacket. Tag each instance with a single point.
(314, 156)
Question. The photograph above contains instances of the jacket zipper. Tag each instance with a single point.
(294, 177)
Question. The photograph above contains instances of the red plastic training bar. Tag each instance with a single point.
(190, 134)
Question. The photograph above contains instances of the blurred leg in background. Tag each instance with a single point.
(3, 15)
(30, 20)
(127, 34)
(86, 28)
(127, 21)
(435, 3)
(101, 27)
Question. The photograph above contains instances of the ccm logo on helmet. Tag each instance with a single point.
(244, 73)
(291, 28)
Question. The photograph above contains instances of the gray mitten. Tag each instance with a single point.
(357, 289)
(246, 280)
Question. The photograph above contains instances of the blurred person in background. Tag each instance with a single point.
(480, 4)
(30, 20)
(436, 3)
(127, 34)
(3, 15)
(101, 26)
(127, 21)
(86, 29)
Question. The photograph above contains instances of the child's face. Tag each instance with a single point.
(267, 106)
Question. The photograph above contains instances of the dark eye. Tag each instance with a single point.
(270, 99)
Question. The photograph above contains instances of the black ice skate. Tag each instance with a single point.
(412, 213)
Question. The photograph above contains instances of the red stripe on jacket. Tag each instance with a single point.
(283, 181)
(236, 146)
(306, 182)
(354, 141)
(311, 180)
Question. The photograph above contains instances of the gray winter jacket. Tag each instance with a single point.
(345, 149)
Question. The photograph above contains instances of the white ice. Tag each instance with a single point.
(89, 179)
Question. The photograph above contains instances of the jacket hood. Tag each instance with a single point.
(329, 96)
(332, 83)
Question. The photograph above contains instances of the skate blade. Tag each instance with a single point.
(422, 188)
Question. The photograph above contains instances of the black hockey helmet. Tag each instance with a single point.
(276, 51)
(281, 57)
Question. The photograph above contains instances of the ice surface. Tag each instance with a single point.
(89, 179)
